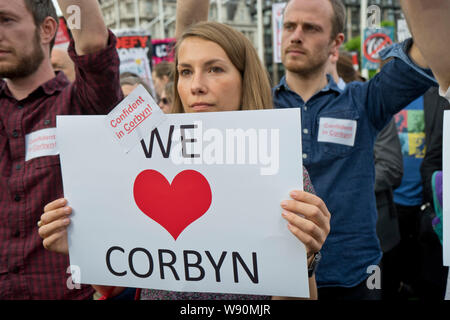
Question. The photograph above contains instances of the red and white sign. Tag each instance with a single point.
(62, 39)
(136, 114)
(340, 131)
(40, 144)
(374, 44)
(163, 50)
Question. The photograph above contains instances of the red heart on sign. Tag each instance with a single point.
(174, 206)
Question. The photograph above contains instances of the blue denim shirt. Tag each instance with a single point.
(343, 175)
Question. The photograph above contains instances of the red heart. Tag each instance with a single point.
(174, 206)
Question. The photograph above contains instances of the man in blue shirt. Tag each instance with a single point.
(339, 129)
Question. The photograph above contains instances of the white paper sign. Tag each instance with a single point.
(40, 144)
(196, 207)
(340, 131)
(136, 114)
(446, 188)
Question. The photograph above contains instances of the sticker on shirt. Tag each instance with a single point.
(41, 143)
(340, 131)
(137, 115)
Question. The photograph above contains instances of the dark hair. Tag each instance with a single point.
(41, 9)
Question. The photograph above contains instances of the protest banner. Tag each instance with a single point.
(62, 39)
(163, 50)
(195, 208)
(135, 52)
(375, 40)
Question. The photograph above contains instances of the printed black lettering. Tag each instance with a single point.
(216, 266)
(163, 264)
(253, 277)
(165, 152)
(188, 265)
(108, 261)
(150, 262)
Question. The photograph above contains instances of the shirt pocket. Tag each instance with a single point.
(45, 162)
(335, 149)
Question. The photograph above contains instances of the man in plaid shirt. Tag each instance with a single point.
(31, 96)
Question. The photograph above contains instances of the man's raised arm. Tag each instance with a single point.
(429, 23)
(190, 12)
(91, 35)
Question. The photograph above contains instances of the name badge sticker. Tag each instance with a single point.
(340, 131)
(41, 143)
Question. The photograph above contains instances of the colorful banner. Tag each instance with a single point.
(135, 52)
(63, 35)
(163, 50)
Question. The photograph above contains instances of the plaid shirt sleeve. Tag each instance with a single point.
(95, 86)
(27, 270)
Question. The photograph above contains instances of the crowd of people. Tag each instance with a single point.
(371, 200)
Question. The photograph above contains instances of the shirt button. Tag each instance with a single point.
(20, 107)
(305, 156)
(15, 134)
(17, 197)
(16, 233)
(305, 108)
(47, 122)
(18, 167)
(15, 269)
(305, 131)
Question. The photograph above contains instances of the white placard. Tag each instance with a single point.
(198, 214)
(137, 114)
(446, 188)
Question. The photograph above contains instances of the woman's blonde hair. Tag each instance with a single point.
(256, 90)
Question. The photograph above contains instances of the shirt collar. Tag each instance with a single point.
(331, 85)
(58, 83)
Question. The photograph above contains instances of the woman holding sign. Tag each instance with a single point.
(217, 69)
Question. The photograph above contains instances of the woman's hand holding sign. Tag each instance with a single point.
(53, 226)
(308, 218)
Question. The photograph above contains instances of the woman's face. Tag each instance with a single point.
(208, 80)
